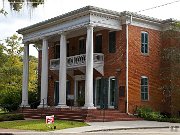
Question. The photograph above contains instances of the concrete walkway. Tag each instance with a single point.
(117, 125)
(96, 127)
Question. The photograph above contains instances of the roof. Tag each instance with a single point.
(91, 8)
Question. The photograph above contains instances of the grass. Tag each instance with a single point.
(1, 111)
(40, 125)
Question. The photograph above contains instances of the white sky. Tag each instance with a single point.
(14, 21)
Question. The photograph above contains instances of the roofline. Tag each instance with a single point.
(96, 9)
(77, 11)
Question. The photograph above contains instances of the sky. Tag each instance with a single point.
(51, 8)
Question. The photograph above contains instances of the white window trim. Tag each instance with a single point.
(147, 44)
(147, 86)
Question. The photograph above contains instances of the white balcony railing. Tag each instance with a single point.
(77, 61)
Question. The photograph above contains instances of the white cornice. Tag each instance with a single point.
(80, 18)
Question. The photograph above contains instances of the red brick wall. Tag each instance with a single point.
(144, 65)
(139, 65)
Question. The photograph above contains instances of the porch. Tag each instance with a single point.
(83, 22)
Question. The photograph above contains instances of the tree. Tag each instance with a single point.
(11, 73)
(17, 5)
(170, 71)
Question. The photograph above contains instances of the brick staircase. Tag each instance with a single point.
(78, 114)
(109, 115)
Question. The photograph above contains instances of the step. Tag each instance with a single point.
(78, 115)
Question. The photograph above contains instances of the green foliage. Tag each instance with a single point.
(10, 99)
(33, 97)
(148, 114)
(11, 74)
(17, 5)
(11, 117)
(13, 45)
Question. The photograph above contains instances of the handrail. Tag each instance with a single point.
(77, 61)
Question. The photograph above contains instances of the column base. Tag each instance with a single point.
(62, 106)
(43, 106)
(25, 106)
(89, 107)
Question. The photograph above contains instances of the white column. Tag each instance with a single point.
(25, 76)
(44, 74)
(62, 73)
(89, 70)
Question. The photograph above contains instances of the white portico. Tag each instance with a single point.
(83, 21)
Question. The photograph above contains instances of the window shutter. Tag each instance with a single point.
(104, 95)
(67, 50)
(68, 88)
(94, 87)
(57, 51)
(112, 42)
(98, 44)
(56, 93)
(116, 94)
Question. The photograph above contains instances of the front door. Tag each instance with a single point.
(106, 93)
(113, 93)
(81, 93)
(56, 93)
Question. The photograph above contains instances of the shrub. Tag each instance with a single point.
(33, 98)
(10, 99)
(10, 117)
(148, 114)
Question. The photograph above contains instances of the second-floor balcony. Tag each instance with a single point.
(77, 61)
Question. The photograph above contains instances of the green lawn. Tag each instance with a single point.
(1, 111)
(39, 125)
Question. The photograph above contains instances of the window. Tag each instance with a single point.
(82, 46)
(144, 42)
(57, 51)
(144, 88)
(98, 44)
(112, 42)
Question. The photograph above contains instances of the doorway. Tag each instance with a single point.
(81, 92)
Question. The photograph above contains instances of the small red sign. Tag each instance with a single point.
(50, 119)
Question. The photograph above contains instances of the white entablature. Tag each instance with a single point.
(72, 23)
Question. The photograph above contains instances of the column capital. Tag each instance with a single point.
(64, 33)
(44, 38)
(90, 26)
